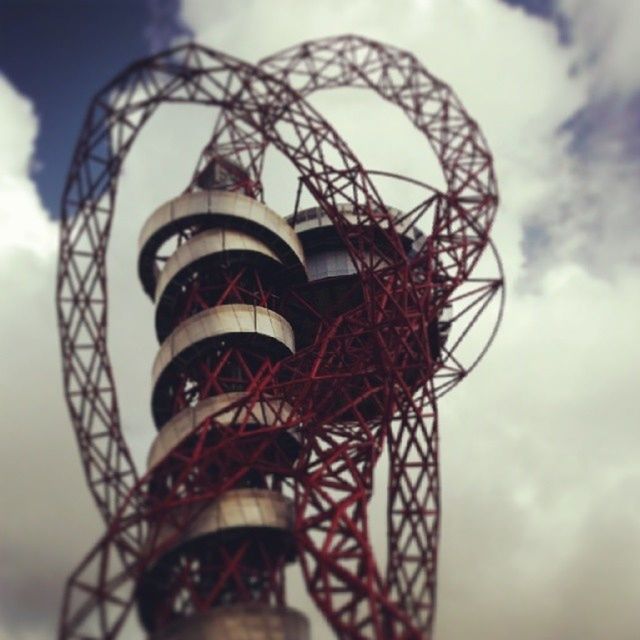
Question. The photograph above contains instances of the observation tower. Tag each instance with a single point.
(294, 348)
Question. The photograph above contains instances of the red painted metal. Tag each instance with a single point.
(368, 379)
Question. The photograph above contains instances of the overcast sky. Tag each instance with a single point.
(539, 447)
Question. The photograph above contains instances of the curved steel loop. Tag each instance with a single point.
(459, 233)
(463, 215)
(431, 106)
(189, 74)
(333, 478)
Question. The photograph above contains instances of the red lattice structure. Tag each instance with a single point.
(292, 353)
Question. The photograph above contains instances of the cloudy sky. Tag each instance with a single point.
(539, 447)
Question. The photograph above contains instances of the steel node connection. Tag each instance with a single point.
(294, 347)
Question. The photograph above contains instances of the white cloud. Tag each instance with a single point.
(606, 32)
(534, 445)
(47, 517)
(23, 223)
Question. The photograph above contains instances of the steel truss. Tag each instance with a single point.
(374, 355)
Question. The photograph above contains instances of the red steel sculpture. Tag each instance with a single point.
(293, 352)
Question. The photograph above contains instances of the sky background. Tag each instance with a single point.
(539, 447)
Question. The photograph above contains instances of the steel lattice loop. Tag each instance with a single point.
(265, 419)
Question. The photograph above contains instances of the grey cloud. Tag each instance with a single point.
(589, 215)
(47, 519)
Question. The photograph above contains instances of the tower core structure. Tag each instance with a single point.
(294, 348)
